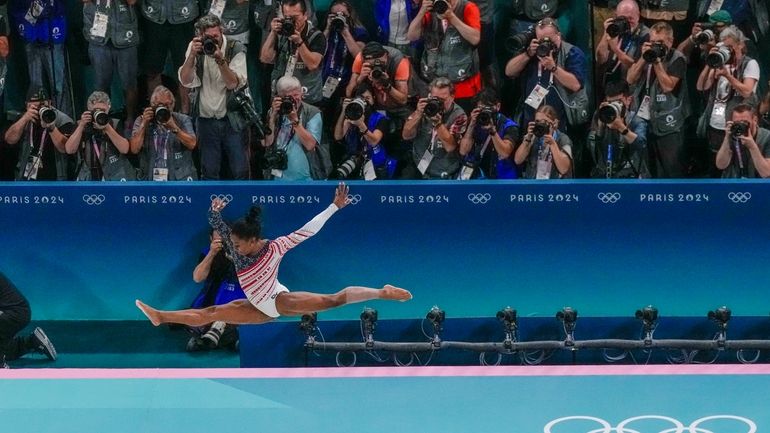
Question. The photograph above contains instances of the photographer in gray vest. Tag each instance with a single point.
(42, 131)
(294, 150)
(450, 31)
(296, 48)
(111, 28)
(215, 67)
(730, 78)
(164, 140)
(167, 29)
(661, 98)
(620, 44)
(745, 149)
(435, 129)
(100, 148)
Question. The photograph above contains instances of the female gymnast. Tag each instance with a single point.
(256, 262)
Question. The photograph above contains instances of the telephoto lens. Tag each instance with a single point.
(355, 109)
(720, 57)
(337, 22)
(162, 114)
(608, 113)
(541, 128)
(47, 115)
(520, 41)
(101, 118)
(704, 37)
(432, 107)
(440, 6)
(377, 70)
(287, 105)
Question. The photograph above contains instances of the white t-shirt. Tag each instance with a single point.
(399, 23)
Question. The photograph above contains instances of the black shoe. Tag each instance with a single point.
(42, 344)
(195, 344)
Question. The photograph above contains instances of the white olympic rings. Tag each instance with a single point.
(93, 199)
(608, 197)
(479, 198)
(678, 426)
(739, 197)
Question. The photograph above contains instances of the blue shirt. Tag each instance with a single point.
(298, 167)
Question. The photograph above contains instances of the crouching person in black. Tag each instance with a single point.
(487, 145)
(361, 129)
(14, 316)
(618, 137)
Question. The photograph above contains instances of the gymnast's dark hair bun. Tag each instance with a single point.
(254, 214)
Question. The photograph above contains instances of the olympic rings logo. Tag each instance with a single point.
(93, 199)
(479, 198)
(739, 197)
(678, 426)
(226, 198)
(354, 199)
(608, 197)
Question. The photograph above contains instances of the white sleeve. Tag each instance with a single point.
(312, 227)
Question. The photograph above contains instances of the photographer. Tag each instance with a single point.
(387, 70)
(15, 314)
(220, 286)
(164, 140)
(661, 99)
(553, 73)
(101, 149)
(435, 129)
(294, 150)
(730, 78)
(450, 31)
(704, 36)
(545, 152)
(41, 130)
(745, 150)
(620, 45)
(618, 137)
(111, 28)
(361, 129)
(346, 36)
(167, 28)
(215, 67)
(487, 145)
(296, 48)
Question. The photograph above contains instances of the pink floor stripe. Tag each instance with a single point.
(322, 373)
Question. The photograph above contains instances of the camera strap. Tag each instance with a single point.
(35, 162)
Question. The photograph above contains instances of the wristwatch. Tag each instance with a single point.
(624, 132)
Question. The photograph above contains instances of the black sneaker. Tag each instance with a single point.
(43, 344)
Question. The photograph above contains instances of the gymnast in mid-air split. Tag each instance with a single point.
(256, 263)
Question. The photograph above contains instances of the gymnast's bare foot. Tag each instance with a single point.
(395, 293)
(150, 312)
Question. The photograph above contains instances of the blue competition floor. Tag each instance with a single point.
(650, 399)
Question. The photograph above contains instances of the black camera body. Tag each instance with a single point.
(739, 129)
(288, 27)
(545, 47)
(520, 41)
(241, 100)
(210, 45)
(47, 115)
(287, 105)
(541, 128)
(433, 107)
(162, 114)
(275, 159)
(338, 21)
(611, 111)
(356, 109)
(486, 116)
(619, 27)
(658, 50)
(378, 70)
(440, 6)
